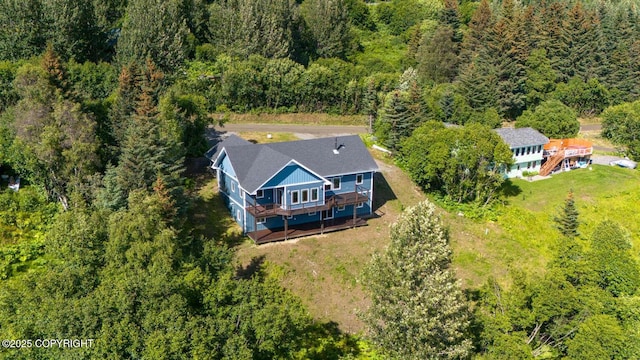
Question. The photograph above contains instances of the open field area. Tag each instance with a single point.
(524, 235)
(324, 271)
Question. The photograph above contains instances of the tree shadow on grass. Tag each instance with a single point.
(209, 217)
(382, 191)
(509, 189)
(326, 341)
(252, 269)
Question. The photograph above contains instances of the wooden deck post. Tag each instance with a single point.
(286, 228)
(354, 214)
(355, 208)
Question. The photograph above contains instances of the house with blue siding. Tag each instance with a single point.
(283, 190)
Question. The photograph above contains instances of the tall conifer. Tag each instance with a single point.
(395, 123)
(567, 221)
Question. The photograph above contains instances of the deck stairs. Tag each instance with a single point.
(551, 163)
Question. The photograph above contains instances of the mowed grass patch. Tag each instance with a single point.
(296, 118)
(263, 137)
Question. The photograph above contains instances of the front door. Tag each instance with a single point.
(280, 196)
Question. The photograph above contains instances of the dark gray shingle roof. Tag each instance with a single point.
(522, 137)
(231, 140)
(318, 155)
(254, 164)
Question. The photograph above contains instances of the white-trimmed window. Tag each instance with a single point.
(260, 194)
(518, 152)
(359, 179)
(335, 183)
(314, 194)
(304, 194)
(238, 215)
(261, 220)
(233, 187)
(295, 197)
(341, 208)
(360, 205)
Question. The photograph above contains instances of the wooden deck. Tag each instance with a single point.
(268, 210)
(295, 231)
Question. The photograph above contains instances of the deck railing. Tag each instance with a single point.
(360, 194)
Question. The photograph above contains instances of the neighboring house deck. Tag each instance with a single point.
(282, 190)
(526, 144)
(566, 154)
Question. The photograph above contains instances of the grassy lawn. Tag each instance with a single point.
(604, 193)
(296, 118)
(324, 271)
(262, 137)
(524, 236)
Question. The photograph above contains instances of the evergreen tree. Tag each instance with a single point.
(567, 221)
(151, 149)
(328, 23)
(418, 310)
(437, 56)
(24, 29)
(541, 79)
(626, 68)
(153, 29)
(579, 28)
(122, 109)
(57, 73)
(416, 104)
(371, 102)
(553, 38)
(478, 27)
(263, 27)
(74, 31)
(395, 122)
(507, 50)
(478, 83)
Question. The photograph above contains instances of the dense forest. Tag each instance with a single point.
(102, 101)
